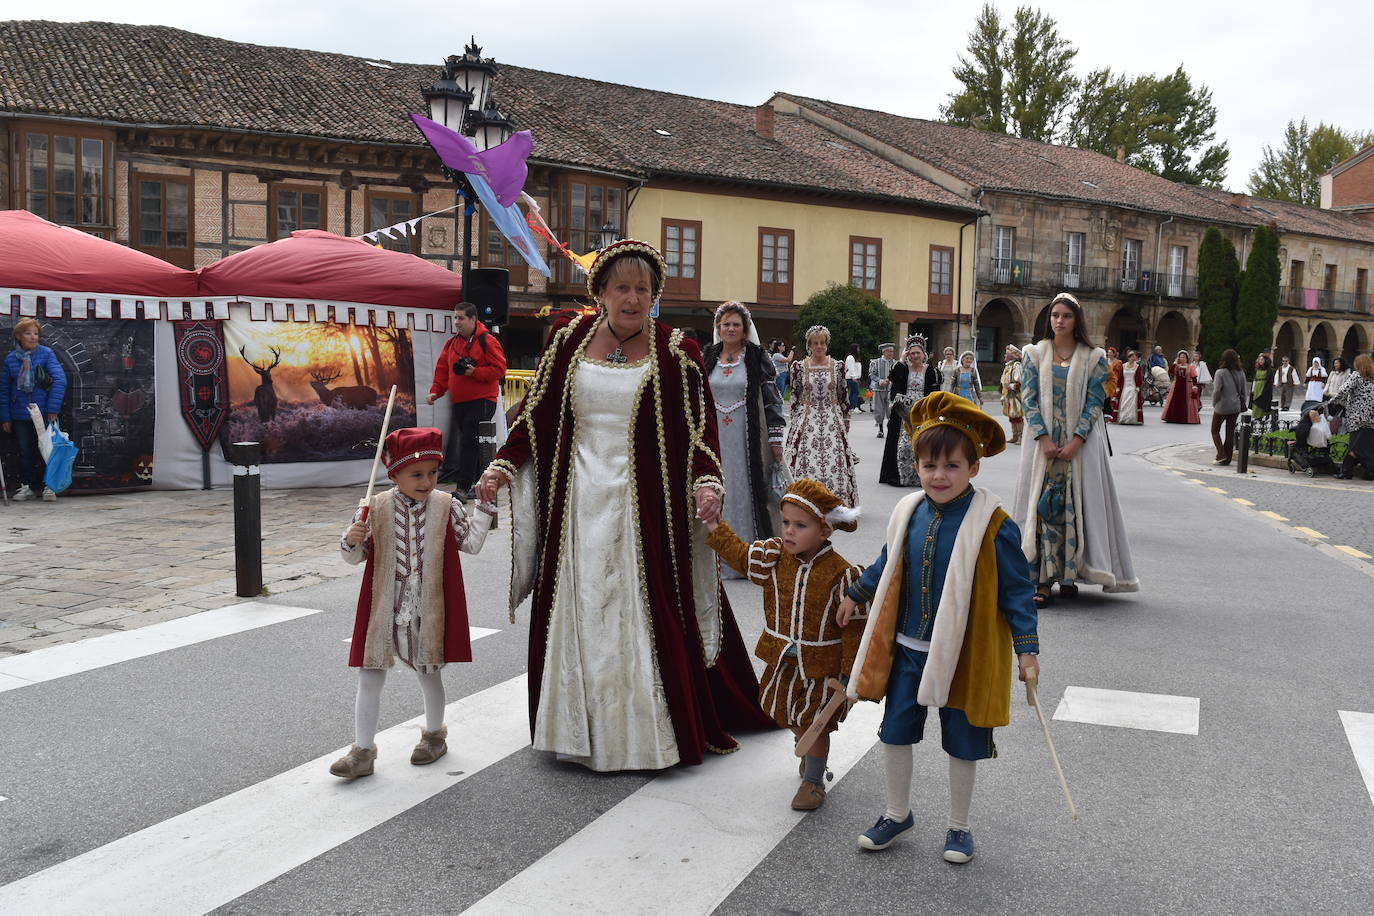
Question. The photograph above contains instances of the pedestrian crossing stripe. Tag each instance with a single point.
(1359, 731)
(208, 856)
(1126, 709)
(638, 847)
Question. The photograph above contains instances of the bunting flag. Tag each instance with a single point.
(400, 231)
(535, 218)
(502, 167)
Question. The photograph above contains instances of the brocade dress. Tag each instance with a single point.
(818, 433)
(730, 389)
(601, 701)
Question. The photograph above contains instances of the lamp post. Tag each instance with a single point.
(460, 100)
(606, 235)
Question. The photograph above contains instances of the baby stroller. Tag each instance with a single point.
(1156, 385)
(1312, 458)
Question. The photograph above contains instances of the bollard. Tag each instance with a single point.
(486, 448)
(247, 518)
(1243, 463)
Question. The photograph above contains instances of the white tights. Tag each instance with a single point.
(368, 707)
(897, 765)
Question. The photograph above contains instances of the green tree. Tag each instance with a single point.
(1293, 171)
(1016, 81)
(853, 317)
(1257, 308)
(1218, 271)
(1165, 125)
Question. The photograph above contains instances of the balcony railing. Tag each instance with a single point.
(1326, 299)
(1080, 278)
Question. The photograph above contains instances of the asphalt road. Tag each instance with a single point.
(1263, 810)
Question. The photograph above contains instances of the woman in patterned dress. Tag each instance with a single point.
(750, 420)
(1066, 503)
(818, 434)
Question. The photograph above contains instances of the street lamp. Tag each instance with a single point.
(459, 99)
(606, 236)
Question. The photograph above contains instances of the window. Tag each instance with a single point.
(682, 251)
(1130, 265)
(581, 205)
(386, 209)
(1004, 249)
(162, 218)
(497, 252)
(941, 279)
(775, 265)
(1178, 257)
(293, 208)
(1328, 294)
(1295, 275)
(865, 264)
(66, 177)
(1073, 259)
(1361, 288)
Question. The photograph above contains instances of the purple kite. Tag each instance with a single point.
(502, 166)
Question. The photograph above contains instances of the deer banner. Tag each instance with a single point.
(315, 391)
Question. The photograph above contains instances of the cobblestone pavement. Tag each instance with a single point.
(89, 565)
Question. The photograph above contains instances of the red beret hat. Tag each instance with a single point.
(407, 446)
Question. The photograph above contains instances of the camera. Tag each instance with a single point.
(462, 364)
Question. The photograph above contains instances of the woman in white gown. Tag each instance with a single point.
(635, 659)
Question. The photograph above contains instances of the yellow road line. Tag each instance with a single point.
(1310, 533)
(1217, 490)
(1193, 480)
(1274, 515)
(1245, 502)
(1357, 554)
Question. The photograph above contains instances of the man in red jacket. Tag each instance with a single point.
(469, 371)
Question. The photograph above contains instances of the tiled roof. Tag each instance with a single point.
(1295, 218)
(996, 162)
(157, 75)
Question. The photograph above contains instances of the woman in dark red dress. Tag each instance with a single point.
(1180, 405)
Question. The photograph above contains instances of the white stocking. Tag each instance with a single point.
(961, 775)
(368, 706)
(897, 763)
(432, 686)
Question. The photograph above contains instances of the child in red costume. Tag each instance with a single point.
(412, 604)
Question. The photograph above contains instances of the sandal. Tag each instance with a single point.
(1043, 600)
(1068, 590)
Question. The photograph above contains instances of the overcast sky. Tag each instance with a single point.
(1264, 63)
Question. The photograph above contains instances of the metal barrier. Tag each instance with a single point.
(516, 384)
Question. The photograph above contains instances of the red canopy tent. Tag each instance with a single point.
(313, 266)
(45, 257)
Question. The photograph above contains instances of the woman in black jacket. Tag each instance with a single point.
(912, 379)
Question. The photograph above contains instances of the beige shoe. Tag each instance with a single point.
(809, 797)
(357, 762)
(431, 747)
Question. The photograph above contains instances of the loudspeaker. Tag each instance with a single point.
(488, 289)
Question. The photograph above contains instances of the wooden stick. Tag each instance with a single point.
(818, 724)
(366, 501)
(1034, 700)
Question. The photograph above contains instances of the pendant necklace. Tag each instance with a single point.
(1065, 361)
(619, 355)
(725, 367)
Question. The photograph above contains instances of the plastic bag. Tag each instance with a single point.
(58, 476)
(44, 434)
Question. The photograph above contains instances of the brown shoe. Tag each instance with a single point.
(809, 797)
(357, 762)
(431, 747)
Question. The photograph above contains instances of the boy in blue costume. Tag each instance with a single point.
(943, 621)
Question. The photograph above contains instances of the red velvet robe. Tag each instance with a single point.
(1180, 406)
(706, 697)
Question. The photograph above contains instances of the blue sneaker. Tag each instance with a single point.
(958, 846)
(881, 834)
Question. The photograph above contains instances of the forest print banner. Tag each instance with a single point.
(315, 391)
